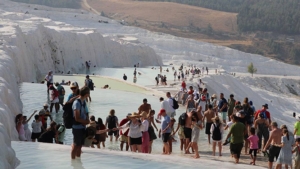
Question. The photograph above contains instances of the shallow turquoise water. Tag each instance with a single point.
(34, 96)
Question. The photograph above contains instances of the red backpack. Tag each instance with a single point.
(56, 94)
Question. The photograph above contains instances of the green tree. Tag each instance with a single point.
(251, 69)
(209, 29)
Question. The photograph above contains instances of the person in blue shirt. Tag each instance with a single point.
(222, 106)
(75, 92)
(81, 119)
(166, 130)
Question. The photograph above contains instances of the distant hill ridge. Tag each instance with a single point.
(54, 3)
(281, 16)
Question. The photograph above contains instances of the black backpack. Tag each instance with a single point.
(45, 136)
(216, 135)
(90, 84)
(111, 122)
(68, 116)
(175, 104)
(182, 119)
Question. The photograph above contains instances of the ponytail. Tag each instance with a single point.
(285, 131)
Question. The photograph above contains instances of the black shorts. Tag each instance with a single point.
(236, 149)
(166, 137)
(35, 135)
(207, 128)
(273, 152)
(111, 132)
(254, 151)
(78, 136)
(135, 141)
(246, 137)
(61, 100)
(187, 133)
(48, 84)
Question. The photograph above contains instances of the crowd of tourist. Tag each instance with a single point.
(248, 128)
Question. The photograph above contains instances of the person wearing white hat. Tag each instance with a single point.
(75, 92)
(49, 80)
(297, 128)
(44, 114)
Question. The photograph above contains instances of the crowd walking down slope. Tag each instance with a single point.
(248, 129)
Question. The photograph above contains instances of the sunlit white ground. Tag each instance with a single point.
(49, 156)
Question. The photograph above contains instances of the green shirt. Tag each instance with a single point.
(297, 127)
(237, 133)
(231, 104)
(61, 135)
(61, 91)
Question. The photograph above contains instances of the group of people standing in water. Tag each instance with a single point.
(248, 128)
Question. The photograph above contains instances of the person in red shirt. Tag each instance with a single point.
(183, 85)
(265, 112)
(124, 136)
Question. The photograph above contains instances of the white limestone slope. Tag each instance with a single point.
(63, 39)
(31, 45)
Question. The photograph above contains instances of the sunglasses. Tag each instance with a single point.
(73, 88)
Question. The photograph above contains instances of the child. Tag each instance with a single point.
(90, 134)
(36, 128)
(297, 155)
(253, 139)
(228, 125)
(26, 128)
(196, 126)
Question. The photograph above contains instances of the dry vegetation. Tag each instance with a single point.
(172, 18)
(198, 23)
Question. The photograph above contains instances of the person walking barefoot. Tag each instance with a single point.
(253, 140)
(217, 129)
(196, 127)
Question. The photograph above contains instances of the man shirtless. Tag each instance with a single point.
(144, 107)
(274, 139)
(188, 130)
(208, 115)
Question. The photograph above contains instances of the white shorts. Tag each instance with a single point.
(202, 104)
(56, 100)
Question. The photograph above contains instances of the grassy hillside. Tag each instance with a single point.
(281, 16)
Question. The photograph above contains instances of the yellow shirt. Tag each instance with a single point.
(297, 127)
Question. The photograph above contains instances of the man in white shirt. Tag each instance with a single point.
(170, 100)
(166, 106)
(49, 80)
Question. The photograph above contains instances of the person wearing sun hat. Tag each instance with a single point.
(44, 114)
(75, 92)
(135, 135)
(297, 128)
(213, 101)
